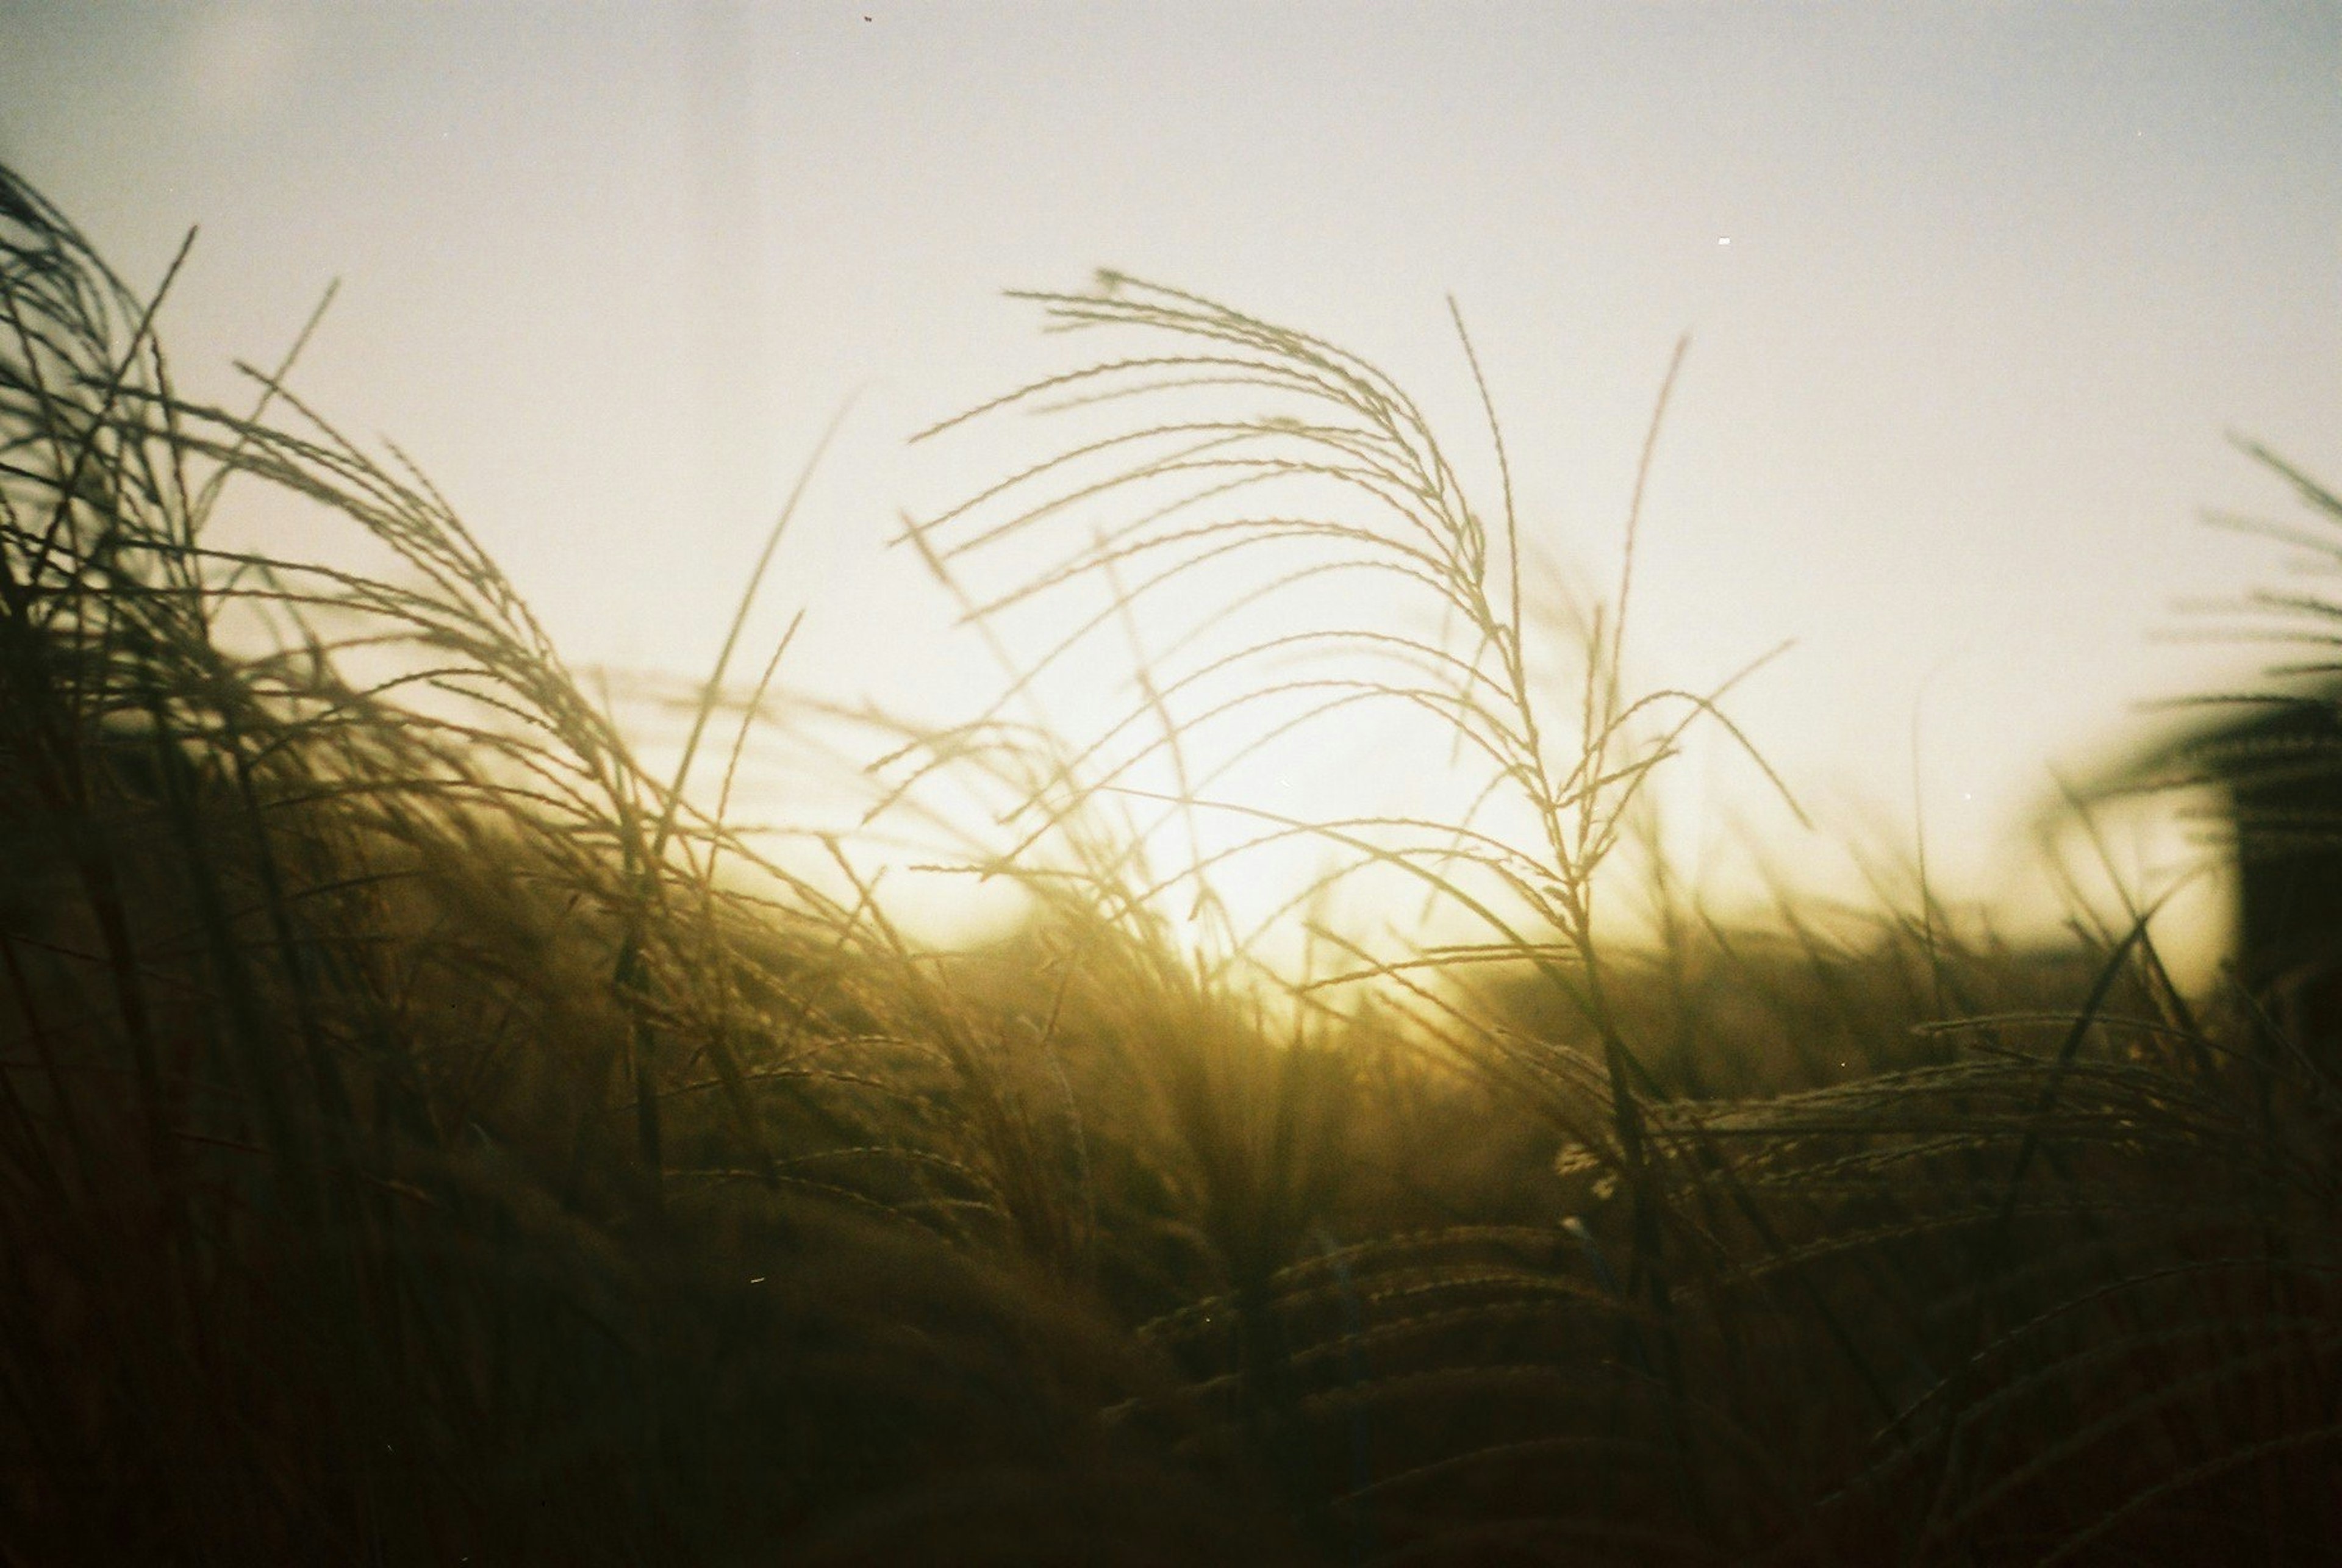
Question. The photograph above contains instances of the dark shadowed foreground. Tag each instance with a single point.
(427, 1137)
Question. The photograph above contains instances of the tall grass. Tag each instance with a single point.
(429, 1135)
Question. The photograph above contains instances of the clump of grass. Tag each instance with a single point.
(1339, 434)
(1898, 1238)
(411, 1148)
(427, 1132)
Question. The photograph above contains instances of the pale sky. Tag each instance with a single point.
(2000, 278)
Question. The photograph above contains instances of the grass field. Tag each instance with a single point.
(429, 1134)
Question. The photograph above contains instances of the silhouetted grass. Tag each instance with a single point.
(426, 1134)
